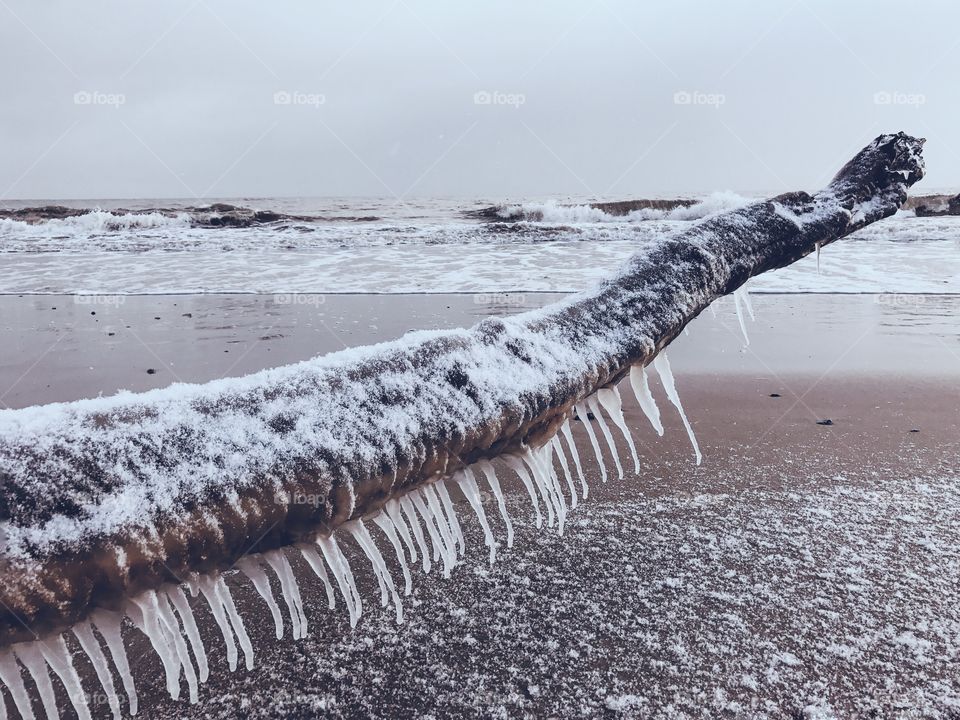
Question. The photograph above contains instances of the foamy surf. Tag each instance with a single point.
(678, 209)
(381, 246)
(89, 223)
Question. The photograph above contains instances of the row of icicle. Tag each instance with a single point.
(166, 617)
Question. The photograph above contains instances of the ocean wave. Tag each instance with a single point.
(615, 212)
(91, 222)
(57, 219)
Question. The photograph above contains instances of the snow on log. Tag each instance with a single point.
(108, 506)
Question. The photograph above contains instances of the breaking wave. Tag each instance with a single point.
(57, 219)
(92, 222)
(617, 212)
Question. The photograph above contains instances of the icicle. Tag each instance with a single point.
(547, 460)
(542, 459)
(487, 469)
(517, 466)
(537, 482)
(613, 404)
(143, 610)
(686, 331)
(565, 466)
(108, 625)
(747, 302)
(604, 428)
(662, 364)
(468, 486)
(369, 547)
(641, 388)
(101, 666)
(249, 567)
(179, 601)
(192, 582)
(818, 258)
(223, 592)
(33, 661)
(290, 591)
(429, 493)
(206, 587)
(407, 505)
(543, 477)
(332, 554)
(11, 677)
(584, 415)
(313, 559)
(169, 624)
(392, 509)
(440, 550)
(572, 447)
(55, 652)
(743, 326)
(451, 514)
(337, 554)
(385, 524)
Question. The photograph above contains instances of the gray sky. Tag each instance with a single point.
(210, 98)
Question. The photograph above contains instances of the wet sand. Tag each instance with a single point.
(59, 348)
(801, 567)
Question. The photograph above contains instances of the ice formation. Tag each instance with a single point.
(389, 429)
(166, 616)
(662, 364)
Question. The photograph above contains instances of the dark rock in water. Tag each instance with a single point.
(39, 214)
(827, 421)
(774, 394)
(222, 207)
(625, 207)
(151, 371)
(937, 205)
(915, 430)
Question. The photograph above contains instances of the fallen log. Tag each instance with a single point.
(109, 505)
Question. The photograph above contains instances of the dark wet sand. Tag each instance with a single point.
(718, 590)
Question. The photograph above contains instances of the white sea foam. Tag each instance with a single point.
(553, 212)
(95, 222)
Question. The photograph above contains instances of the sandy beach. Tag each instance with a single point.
(801, 566)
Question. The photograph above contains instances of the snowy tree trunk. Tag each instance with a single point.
(103, 499)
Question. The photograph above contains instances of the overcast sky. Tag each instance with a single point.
(209, 98)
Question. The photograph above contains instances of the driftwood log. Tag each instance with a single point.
(103, 499)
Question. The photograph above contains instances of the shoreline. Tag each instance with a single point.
(62, 348)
